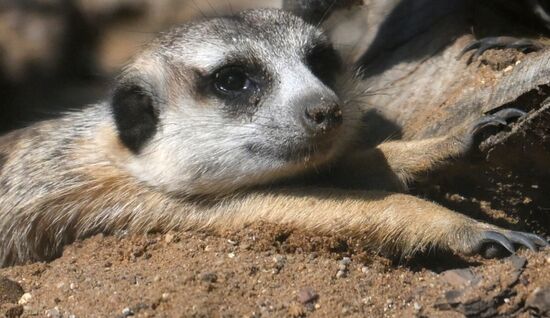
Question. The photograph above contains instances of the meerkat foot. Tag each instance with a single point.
(473, 133)
(501, 42)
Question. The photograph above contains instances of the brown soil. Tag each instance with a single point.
(267, 271)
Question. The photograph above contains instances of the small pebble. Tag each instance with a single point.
(165, 296)
(232, 242)
(364, 270)
(25, 299)
(342, 267)
(231, 255)
(341, 274)
(168, 238)
(417, 307)
(345, 261)
(367, 300)
(53, 313)
(126, 312)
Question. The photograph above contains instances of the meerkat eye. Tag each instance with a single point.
(232, 80)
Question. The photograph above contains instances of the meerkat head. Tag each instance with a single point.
(230, 102)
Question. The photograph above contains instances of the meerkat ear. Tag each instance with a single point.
(135, 114)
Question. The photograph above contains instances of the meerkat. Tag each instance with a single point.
(213, 126)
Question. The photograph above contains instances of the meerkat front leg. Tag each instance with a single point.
(398, 223)
(393, 165)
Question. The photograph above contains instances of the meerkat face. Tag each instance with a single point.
(226, 103)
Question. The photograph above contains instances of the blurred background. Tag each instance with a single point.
(62, 54)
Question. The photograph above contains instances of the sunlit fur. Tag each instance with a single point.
(72, 177)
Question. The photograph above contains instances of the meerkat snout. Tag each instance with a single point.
(322, 116)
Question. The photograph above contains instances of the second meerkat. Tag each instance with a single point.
(198, 121)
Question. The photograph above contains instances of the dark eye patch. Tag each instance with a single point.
(324, 62)
(238, 84)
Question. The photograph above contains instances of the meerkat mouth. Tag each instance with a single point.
(297, 152)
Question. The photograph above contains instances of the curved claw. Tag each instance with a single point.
(539, 241)
(495, 237)
(473, 45)
(520, 238)
(488, 121)
(492, 240)
(510, 113)
(501, 42)
(500, 118)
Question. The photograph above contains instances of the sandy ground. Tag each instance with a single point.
(269, 271)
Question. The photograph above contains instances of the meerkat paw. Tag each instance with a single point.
(491, 242)
(472, 134)
(500, 42)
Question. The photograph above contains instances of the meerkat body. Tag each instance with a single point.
(204, 117)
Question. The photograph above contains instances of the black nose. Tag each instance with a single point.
(323, 116)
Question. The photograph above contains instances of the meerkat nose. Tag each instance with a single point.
(322, 116)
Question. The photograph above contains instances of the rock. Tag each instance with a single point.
(10, 291)
(341, 274)
(539, 302)
(126, 312)
(518, 262)
(25, 299)
(307, 295)
(460, 277)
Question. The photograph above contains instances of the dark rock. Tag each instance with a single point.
(539, 302)
(10, 291)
